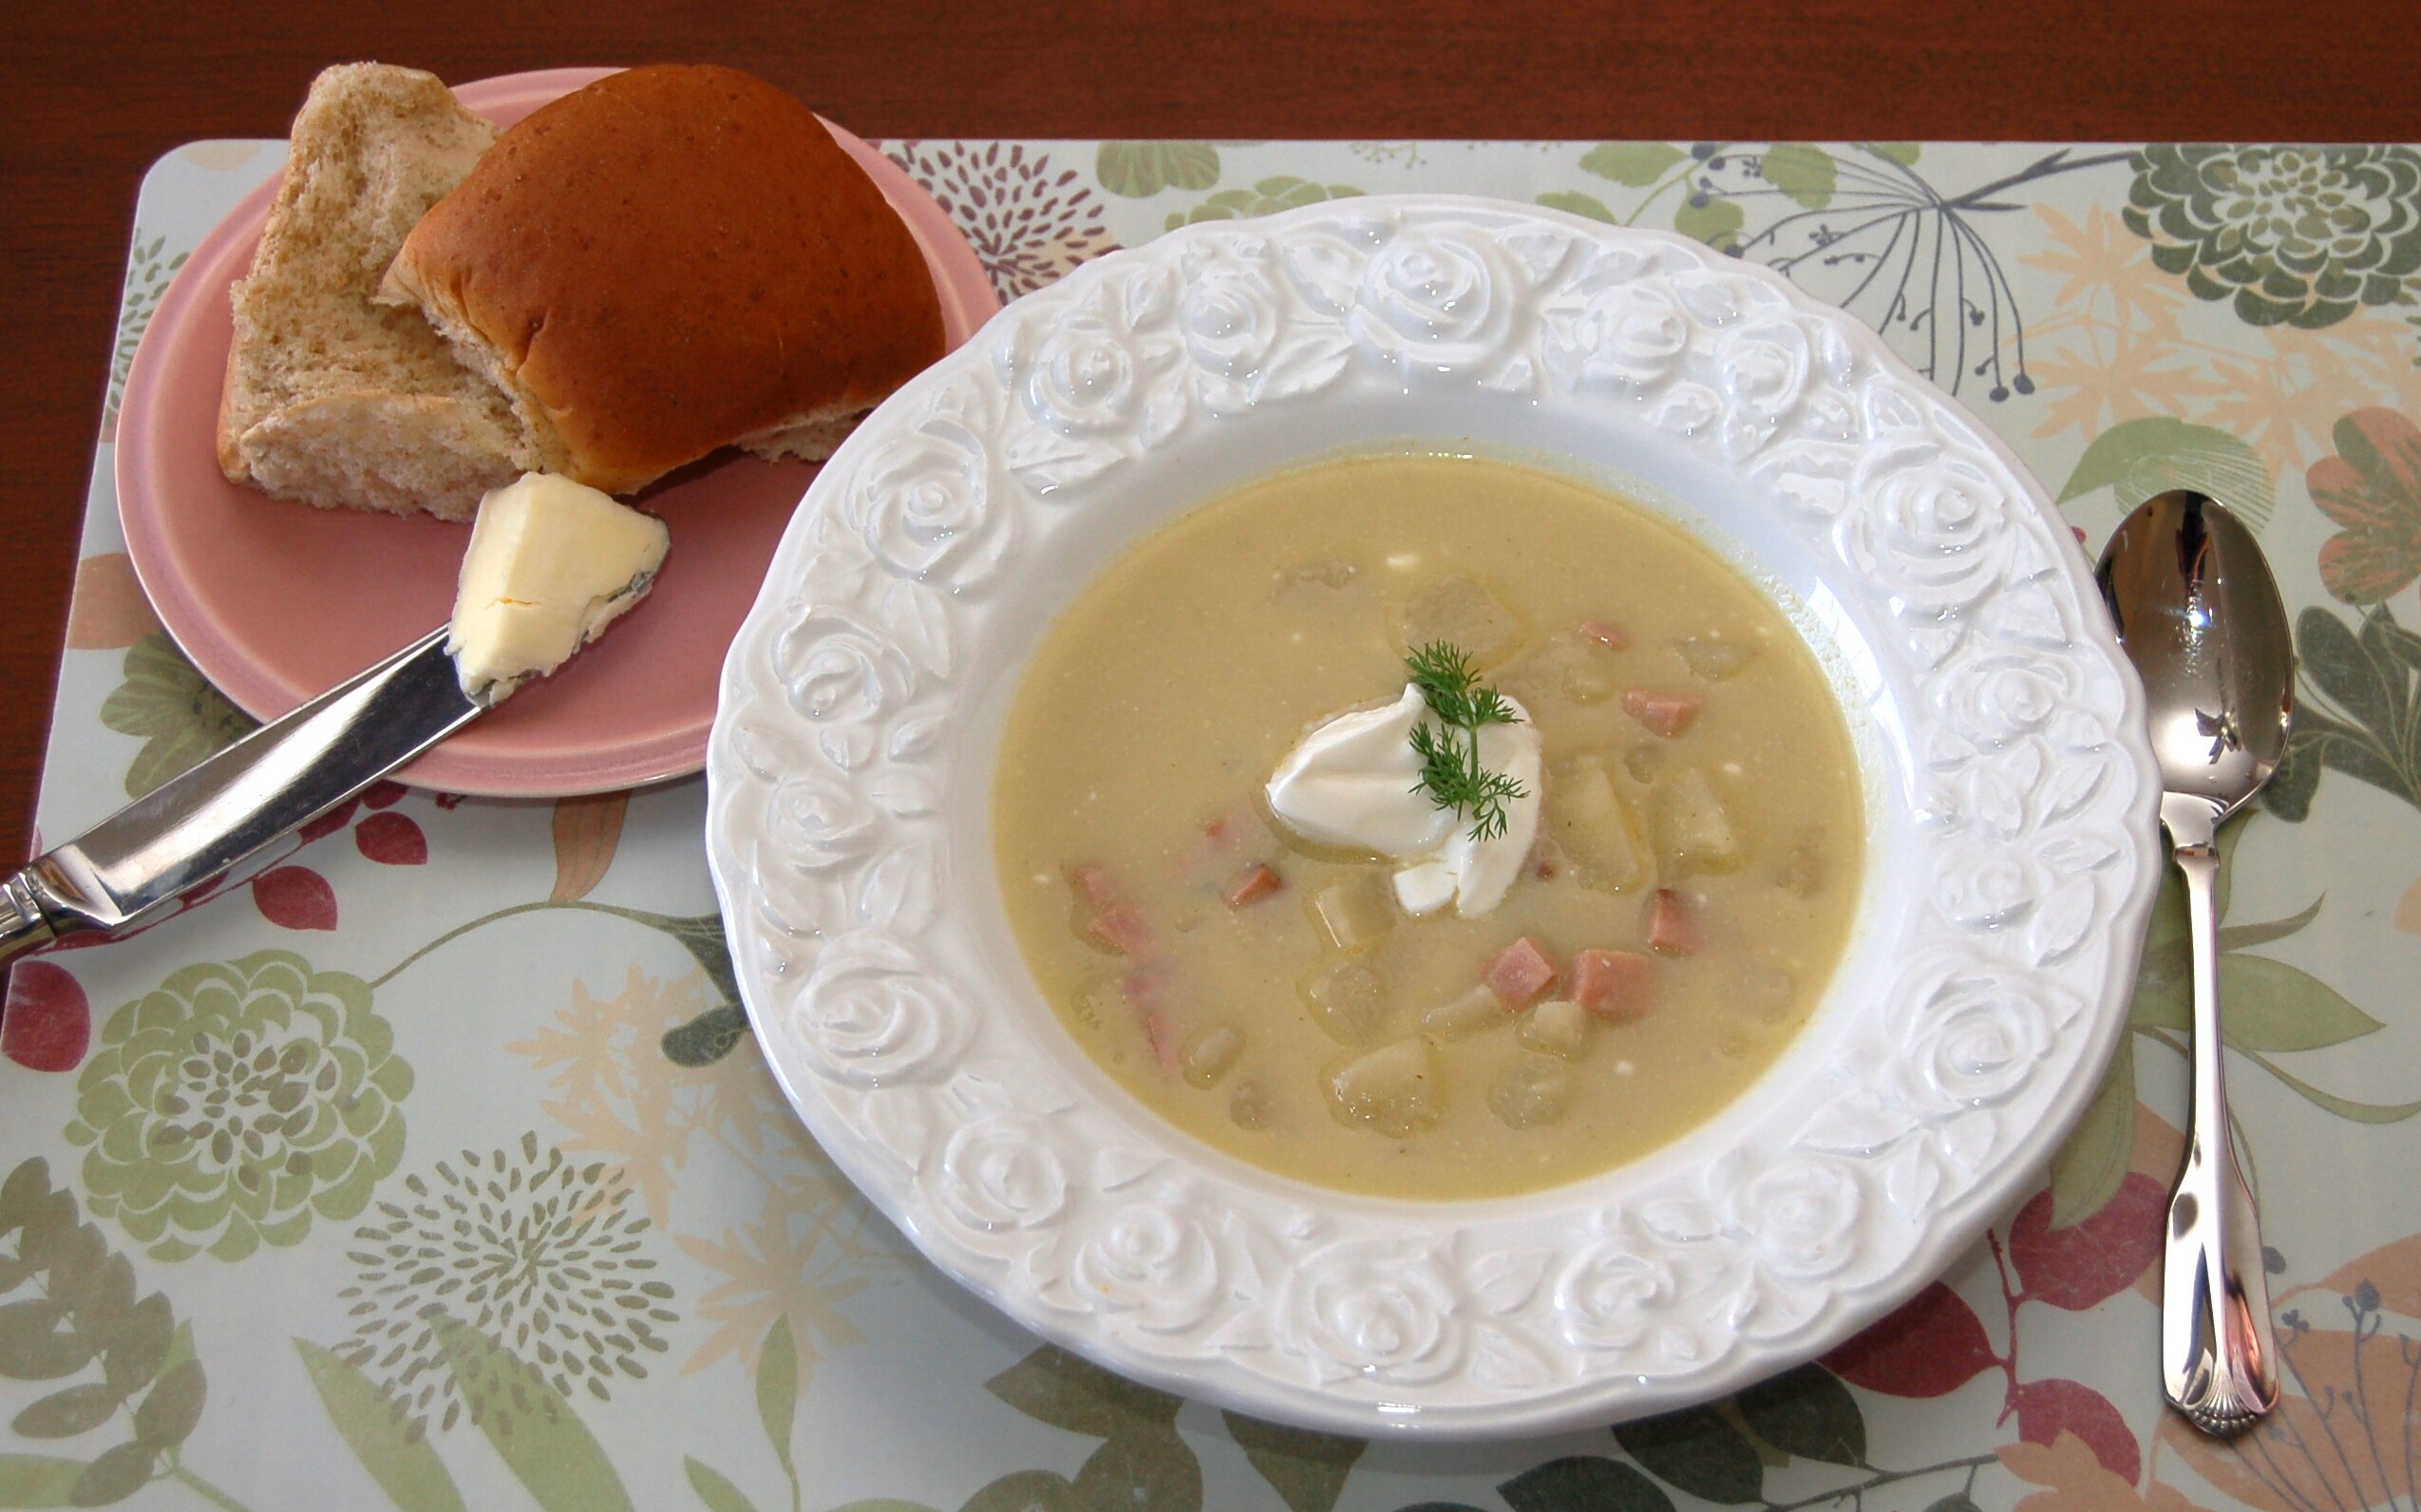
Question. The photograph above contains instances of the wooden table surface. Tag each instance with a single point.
(98, 89)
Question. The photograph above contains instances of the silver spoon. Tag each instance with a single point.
(2200, 619)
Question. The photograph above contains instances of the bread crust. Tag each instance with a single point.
(667, 261)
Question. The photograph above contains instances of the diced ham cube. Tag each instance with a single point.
(1614, 985)
(1105, 917)
(1519, 973)
(1251, 884)
(1673, 925)
(1665, 714)
(1605, 632)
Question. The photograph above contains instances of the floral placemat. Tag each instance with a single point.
(433, 1167)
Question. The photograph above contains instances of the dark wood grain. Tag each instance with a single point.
(98, 89)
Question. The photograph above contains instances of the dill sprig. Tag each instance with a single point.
(1450, 748)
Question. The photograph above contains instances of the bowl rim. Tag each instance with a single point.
(786, 978)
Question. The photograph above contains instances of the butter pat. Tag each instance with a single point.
(552, 563)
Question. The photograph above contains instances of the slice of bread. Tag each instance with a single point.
(330, 398)
(669, 262)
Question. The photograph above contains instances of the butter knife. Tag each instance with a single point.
(231, 805)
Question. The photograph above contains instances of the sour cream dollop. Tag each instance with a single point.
(1353, 782)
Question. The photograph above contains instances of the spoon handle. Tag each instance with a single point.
(2217, 1360)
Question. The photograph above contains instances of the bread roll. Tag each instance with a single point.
(668, 261)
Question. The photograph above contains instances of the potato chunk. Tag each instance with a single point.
(1209, 1054)
(1713, 658)
(1699, 829)
(1347, 1000)
(1354, 912)
(1567, 669)
(1248, 1105)
(1590, 820)
(1458, 610)
(1556, 1026)
(1531, 1092)
(1465, 1014)
(1396, 1090)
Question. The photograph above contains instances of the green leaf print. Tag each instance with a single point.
(38, 1480)
(1054, 1387)
(2137, 459)
(1268, 197)
(1802, 170)
(1585, 1483)
(1138, 169)
(2273, 1008)
(1807, 1412)
(2358, 709)
(71, 1316)
(1307, 1469)
(65, 1414)
(172, 1408)
(1143, 1470)
(706, 1038)
(147, 276)
(379, 1432)
(33, 1345)
(178, 715)
(1635, 163)
(1902, 153)
(1579, 204)
(2086, 1171)
(113, 1476)
(715, 1488)
(778, 1390)
(1706, 218)
(235, 1102)
(1699, 1450)
(1026, 1491)
(544, 1444)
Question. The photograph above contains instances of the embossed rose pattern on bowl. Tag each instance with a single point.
(2010, 848)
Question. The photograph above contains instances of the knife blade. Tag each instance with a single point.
(232, 804)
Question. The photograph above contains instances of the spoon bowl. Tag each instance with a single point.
(2201, 618)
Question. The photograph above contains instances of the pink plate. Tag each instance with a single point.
(276, 601)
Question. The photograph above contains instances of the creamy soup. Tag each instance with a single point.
(1203, 838)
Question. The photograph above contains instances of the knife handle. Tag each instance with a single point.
(23, 924)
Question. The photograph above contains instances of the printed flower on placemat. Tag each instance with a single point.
(180, 716)
(1265, 198)
(147, 276)
(235, 1101)
(1028, 223)
(538, 1256)
(2297, 235)
(2371, 489)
